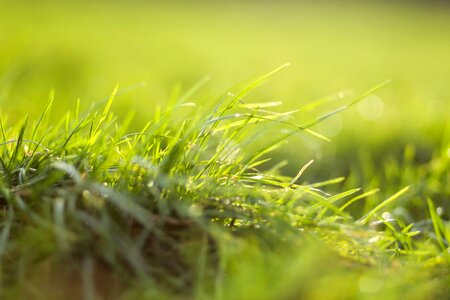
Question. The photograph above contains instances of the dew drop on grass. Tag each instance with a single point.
(374, 239)
(371, 108)
(386, 215)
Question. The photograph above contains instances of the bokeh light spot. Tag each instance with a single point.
(371, 108)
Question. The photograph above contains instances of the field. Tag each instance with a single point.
(232, 150)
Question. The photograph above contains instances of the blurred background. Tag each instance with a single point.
(337, 50)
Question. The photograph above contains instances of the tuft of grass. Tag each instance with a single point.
(183, 209)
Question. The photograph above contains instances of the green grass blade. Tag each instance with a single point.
(386, 202)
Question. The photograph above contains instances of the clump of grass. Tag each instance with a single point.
(183, 209)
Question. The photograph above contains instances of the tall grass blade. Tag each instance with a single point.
(386, 202)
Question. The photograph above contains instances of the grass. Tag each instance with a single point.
(306, 187)
(155, 50)
(182, 209)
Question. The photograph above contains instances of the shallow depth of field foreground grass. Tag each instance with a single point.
(182, 210)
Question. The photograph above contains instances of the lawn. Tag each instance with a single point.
(235, 150)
